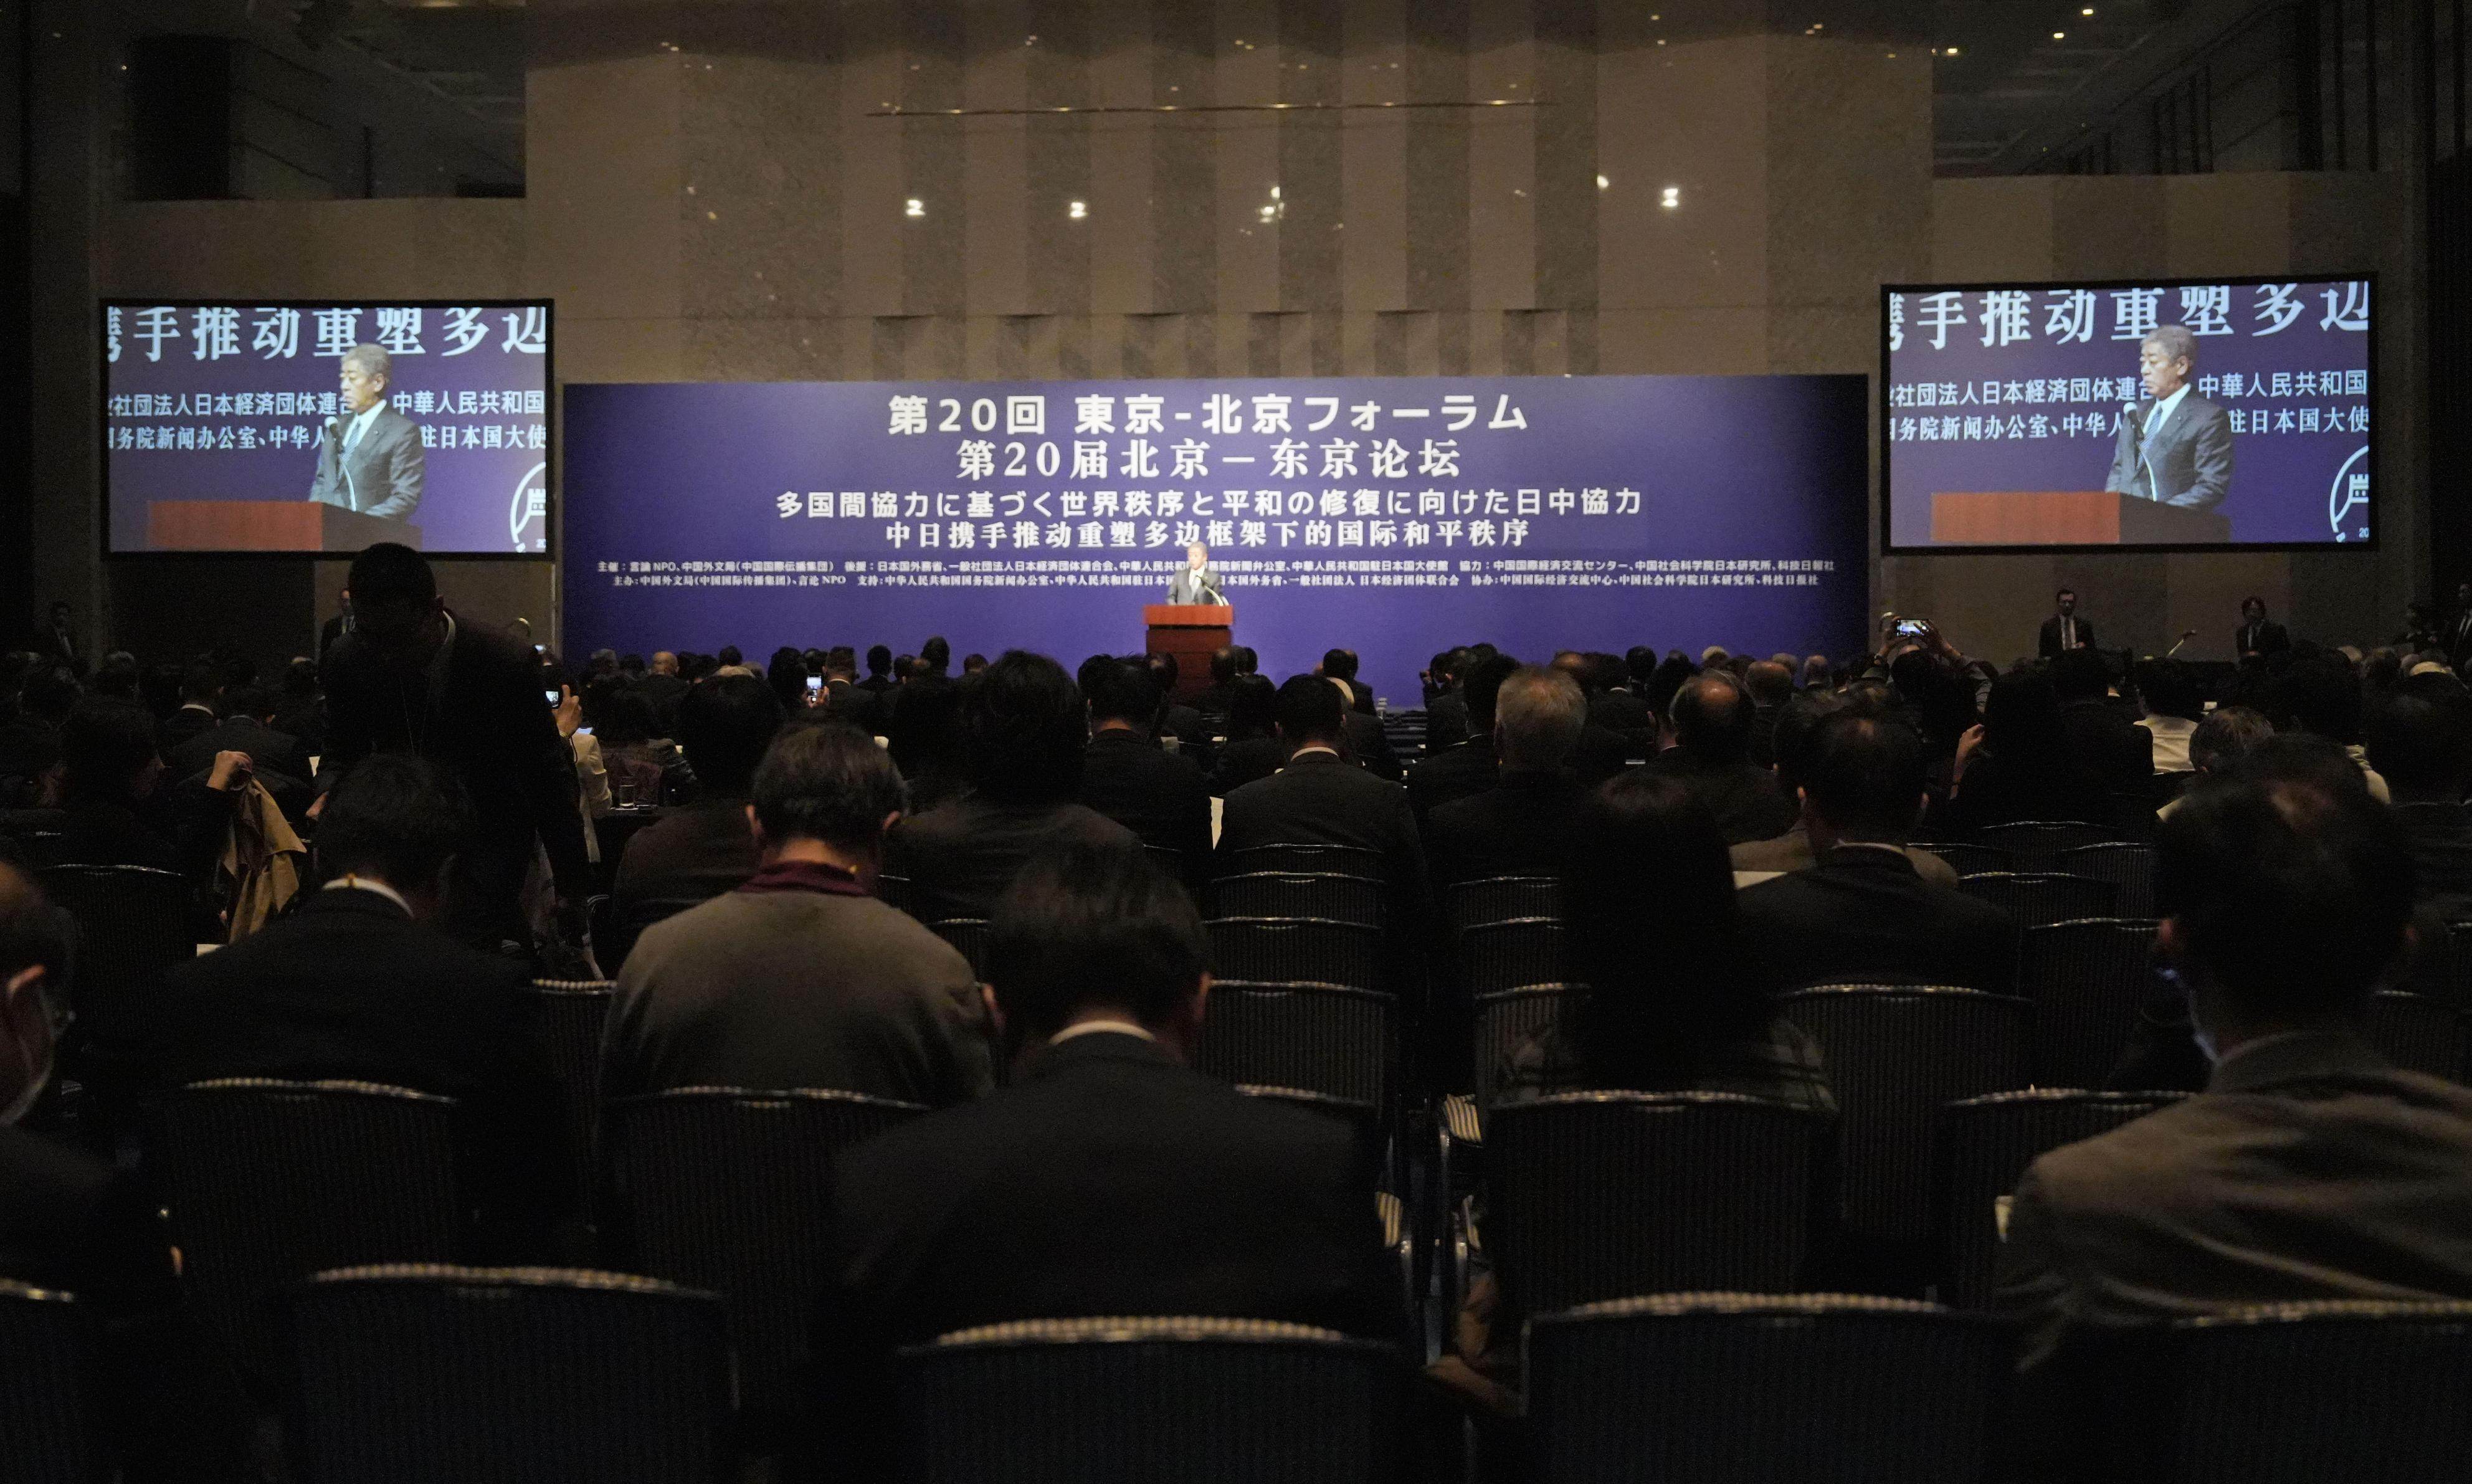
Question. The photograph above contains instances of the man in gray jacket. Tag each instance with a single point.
(2176, 449)
(369, 459)
(801, 978)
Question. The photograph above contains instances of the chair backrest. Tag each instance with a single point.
(2128, 865)
(1986, 1145)
(571, 1013)
(1510, 953)
(46, 1409)
(1707, 1388)
(2088, 980)
(2288, 1394)
(1505, 1018)
(730, 1190)
(413, 1374)
(970, 937)
(1297, 951)
(2419, 1033)
(1500, 898)
(2036, 898)
(893, 891)
(1148, 1399)
(2036, 845)
(268, 1182)
(1969, 860)
(134, 927)
(1363, 1120)
(1602, 1195)
(1331, 1038)
(1895, 1054)
(1297, 894)
(1345, 860)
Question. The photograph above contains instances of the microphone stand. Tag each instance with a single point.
(2175, 648)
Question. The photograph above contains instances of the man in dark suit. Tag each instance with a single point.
(1862, 915)
(1795, 737)
(1024, 726)
(2176, 449)
(1194, 581)
(1108, 1177)
(1173, 718)
(246, 727)
(662, 686)
(2064, 630)
(1342, 665)
(1710, 732)
(2309, 1168)
(370, 459)
(1319, 800)
(1467, 767)
(2256, 635)
(1446, 708)
(2457, 637)
(355, 983)
(1517, 827)
(2419, 737)
(2103, 737)
(56, 641)
(467, 696)
(201, 693)
(696, 853)
(1159, 796)
(337, 627)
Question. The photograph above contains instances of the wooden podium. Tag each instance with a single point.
(2070, 517)
(268, 525)
(1190, 632)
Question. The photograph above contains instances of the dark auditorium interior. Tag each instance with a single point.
(1253, 741)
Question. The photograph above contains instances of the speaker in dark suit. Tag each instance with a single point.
(2175, 448)
(370, 458)
(2064, 630)
(2257, 635)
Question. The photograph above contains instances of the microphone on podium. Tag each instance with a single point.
(2183, 640)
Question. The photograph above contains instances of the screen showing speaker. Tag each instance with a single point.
(258, 426)
(2173, 415)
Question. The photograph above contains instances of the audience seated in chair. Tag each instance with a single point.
(1460, 770)
(2419, 739)
(2309, 1168)
(1796, 730)
(2167, 694)
(1252, 749)
(1864, 914)
(357, 982)
(706, 848)
(2019, 764)
(1709, 736)
(2101, 732)
(800, 977)
(1519, 826)
(1023, 728)
(247, 727)
(1128, 776)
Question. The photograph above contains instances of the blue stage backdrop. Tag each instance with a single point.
(1393, 517)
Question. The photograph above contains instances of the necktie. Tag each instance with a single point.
(353, 435)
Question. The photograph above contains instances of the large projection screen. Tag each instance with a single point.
(2173, 415)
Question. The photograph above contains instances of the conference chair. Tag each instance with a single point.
(1986, 1145)
(2280, 1394)
(893, 891)
(268, 1182)
(1505, 955)
(970, 937)
(2034, 898)
(2036, 845)
(1505, 1021)
(1592, 1196)
(1501, 899)
(415, 1373)
(1895, 1055)
(730, 1191)
(571, 1013)
(2088, 979)
(1290, 894)
(2419, 1033)
(1071, 1400)
(1340, 1040)
(1343, 860)
(134, 927)
(2128, 865)
(48, 1428)
(1383, 1177)
(1969, 860)
(1297, 951)
(1717, 1388)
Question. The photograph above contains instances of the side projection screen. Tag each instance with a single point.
(2179, 416)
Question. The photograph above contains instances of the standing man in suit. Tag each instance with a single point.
(370, 459)
(2458, 629)
(2064, 629)
(2176, 449)
(2256, 635)
(1195, 582)
(56, 641)
(2309, 1168)
(337, 627)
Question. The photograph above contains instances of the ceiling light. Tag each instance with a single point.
(1671, 199)
(913, 208)
(1078, 210)
(2059, 36)
(1602, 183)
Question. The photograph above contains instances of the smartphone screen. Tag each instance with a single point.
(551, 695)
(815, 682)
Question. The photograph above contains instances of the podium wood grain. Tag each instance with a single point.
(2068, 517)
(268, 525)
(1190, 632)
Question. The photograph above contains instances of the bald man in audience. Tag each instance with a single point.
(1516, 828)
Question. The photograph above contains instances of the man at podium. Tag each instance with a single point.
(369, 460)
(1195, 582)
(2176, 449)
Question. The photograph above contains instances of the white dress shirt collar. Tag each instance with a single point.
(1102, 1026)
(2164, 408)
(353, 883)
(359, 427)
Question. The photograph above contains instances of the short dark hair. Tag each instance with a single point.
(1797, 725)
(1868, 776)
(2065, 592)
(2319, 695)
(2169, 689)
(879, 658)
(1252, 707)
(1119, 690)
(935, 653)
(2293, 895)
(394, 815)
(1712, 718)
(2420, 737)
(1088, 923)
(1339, 664)
(1023, 728)
(725, 723)
(300, 678)
(1480, 687)
(1310, 710)
(104, 746)
(729, 655)
(201, 681)
(2080, 675)
(391, 572)
(250, 701)
(2227, 734)
(829, 782)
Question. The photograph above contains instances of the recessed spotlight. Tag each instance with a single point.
(1076, 210)
(1671, 198)
(914, 207)
(1952, 51)
(2059, 36)
(1602, 183)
